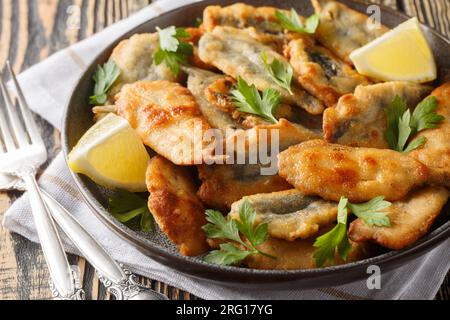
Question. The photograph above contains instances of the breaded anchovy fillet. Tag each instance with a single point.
(320, 72)
(241, 15)
(359, 119)
(175, 206)
(435, 154)
(411, 218)
(198, 82)
(290, 214)
(166, 117)
(134, 57)
(236, 53)
(298, 254)
(360, 174)
(343, 30)
(224, 184)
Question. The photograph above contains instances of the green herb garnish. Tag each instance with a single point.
(104, 78)
(172, 51)
(248, 99)
(126, 206)
(336, 240)
(234, 252)
(280, 73)
(198, 22)
(293, 22)
(401, 125)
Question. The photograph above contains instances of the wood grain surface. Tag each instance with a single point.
(31, 30)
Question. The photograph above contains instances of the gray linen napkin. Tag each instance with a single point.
(47, 87)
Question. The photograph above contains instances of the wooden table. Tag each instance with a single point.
(30, 31)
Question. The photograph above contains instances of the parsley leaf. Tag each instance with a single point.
(104, 78)
(401, 125)
(370, 213)
(172, 51)
(231, 229)
(293, 22)
(248, 99)
(126, 206)
(281, 74)
(336, 240)
(198, 22)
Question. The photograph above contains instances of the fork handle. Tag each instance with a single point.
(65, 284)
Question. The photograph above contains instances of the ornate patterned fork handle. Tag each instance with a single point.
(118, 280)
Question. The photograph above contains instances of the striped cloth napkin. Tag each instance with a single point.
(48, 85)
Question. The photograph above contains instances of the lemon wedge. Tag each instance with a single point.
(112, 155)
(401, 54)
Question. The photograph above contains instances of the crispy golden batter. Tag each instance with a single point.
(198, 83)
(134, 57)
(236, 53)
(298, 254)
(165, 115)
(290, 215)
(342, 29)
(435, 154)
(175, 206)
(411, 218)
(320, 72)
(360, 174)
(241, 15)
(359, 119)
(224, 184)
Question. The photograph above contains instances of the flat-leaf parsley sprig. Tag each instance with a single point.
(280, 73)
(248, 99)
(172, 51)
(402, 125)
(292, 22)
(104, 78)
(126, 206)
(232, 253)
(336, 240)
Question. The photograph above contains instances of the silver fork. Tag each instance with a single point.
(21, 154)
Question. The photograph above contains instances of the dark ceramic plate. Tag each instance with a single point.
(78, 118)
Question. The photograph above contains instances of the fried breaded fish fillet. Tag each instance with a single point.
(236, 53)
(241, 15)
(134, 57)
(411, 218)
(167, 118)
(198, 83)
(435, 154)
(359, 119)
(360, 174)
(298, 254)
(175, 206)
(289, 214)
(342, 29)
(320, 72)
(224, 184)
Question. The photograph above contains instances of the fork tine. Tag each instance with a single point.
(4, 129)
(19, 132)
(30, 124)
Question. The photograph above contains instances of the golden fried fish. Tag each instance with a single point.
(320, 72)
(360, 174)
(343, 30)
(298, 254)
(289, 214)
(241, 15)
(359, 119)
(236, 53)
(224, 184)
(411, 218)
(167, 118)
(435, 154)
(175, 206)
(134, 57)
